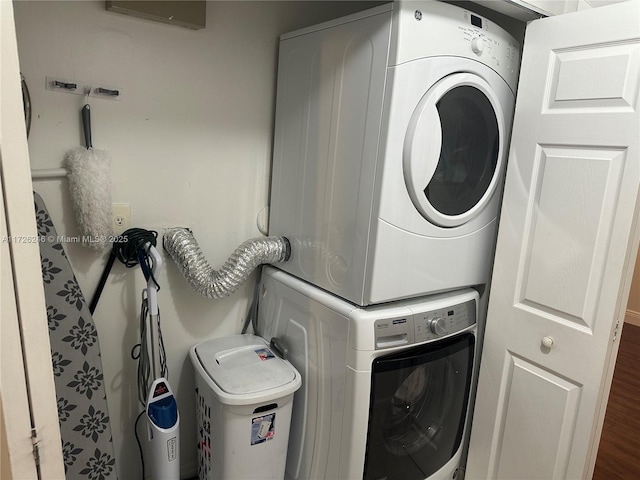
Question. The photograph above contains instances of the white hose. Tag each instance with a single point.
(186, 253)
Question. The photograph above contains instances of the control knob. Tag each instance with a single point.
(477, 45)
(438, 326)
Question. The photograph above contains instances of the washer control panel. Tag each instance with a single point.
(445, 321)
(422, 326)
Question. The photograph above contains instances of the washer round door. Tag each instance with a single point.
(419, 400)
(454, 149)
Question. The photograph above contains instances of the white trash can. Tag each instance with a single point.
(244, 398)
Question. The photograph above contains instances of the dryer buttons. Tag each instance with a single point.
(477, 45)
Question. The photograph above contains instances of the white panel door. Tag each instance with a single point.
(26, 355)
(567, 242)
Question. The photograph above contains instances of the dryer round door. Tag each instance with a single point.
(453, 149)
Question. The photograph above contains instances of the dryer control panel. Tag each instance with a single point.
(424, 326)
(426, 29)
(492, 48)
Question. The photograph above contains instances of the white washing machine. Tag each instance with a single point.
(385, 389)
(391, 137)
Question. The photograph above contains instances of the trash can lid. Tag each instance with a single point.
(243, 364)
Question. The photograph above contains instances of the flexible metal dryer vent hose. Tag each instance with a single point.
(184, 250)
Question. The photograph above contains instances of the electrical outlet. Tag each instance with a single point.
(121, 217)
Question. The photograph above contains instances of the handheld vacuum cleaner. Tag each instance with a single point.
(137, 247)
(161, 410)
(163, 421)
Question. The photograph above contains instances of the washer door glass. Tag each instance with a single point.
(453, 150)
(418, 409)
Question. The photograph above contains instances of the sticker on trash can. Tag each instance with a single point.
(263, 428)
(264, 354)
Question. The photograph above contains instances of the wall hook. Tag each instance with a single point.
(109, 92)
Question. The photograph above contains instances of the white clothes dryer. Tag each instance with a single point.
(385, 389)
(391, 138)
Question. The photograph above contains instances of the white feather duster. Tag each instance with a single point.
(90, 187)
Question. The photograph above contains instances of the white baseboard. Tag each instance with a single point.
(632, 317)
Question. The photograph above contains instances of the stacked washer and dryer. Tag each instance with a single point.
(392, 130)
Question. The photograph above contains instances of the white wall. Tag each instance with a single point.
(190, 144)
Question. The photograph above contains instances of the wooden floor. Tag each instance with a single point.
(619, 452)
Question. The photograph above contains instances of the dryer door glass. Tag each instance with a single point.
(419, 400)
(453, 150)
(469, 151)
